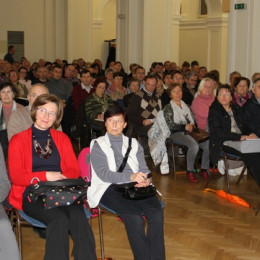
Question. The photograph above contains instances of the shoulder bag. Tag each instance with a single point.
(129, 190)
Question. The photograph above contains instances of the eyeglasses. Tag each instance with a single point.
(117, 121)
(44, 112)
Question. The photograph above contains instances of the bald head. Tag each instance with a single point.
(36, 90)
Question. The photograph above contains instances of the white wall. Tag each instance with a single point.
(63, 29)
(27, 16)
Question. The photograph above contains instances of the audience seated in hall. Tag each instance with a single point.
(241, 90)
(133, 86)
(144, 107)
(118, 67)
(109, 76)
(24, 77)
(97, 103)
(252, 110)
(226, 125)
(116, 90)
(20, 119)
(41, 74)
(167, 81)
(62, 88)
(5, 73)
(8, 245)
(180, 120)
(81, 91)
(189, 87)
(232, 76)
(7, 105)
(139, 74)
(201, 103)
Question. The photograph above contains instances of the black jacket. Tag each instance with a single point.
(220, 127)
(251, 113)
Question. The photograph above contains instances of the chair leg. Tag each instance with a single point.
(173, 162)
(210, 175)
(241, 175)
(226, 173)
(19, 233)
(100, 225)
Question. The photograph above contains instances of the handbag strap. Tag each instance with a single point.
(65, 182)
(122, 166)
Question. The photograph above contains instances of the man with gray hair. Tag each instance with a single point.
(189, 87)
(20, 119)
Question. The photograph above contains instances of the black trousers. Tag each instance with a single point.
(61, 222)
(147, 245)
(252, 160)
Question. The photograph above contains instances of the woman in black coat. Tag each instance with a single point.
(226, 124)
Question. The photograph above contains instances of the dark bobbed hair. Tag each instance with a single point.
(171, 87)
(213, 74)
(133, 80)
(225, 86)
(10, 47)
(84, 72)
(115, 111)
(185, 64)
(23, 68)
(99, 80)
(256, 80)
(8, 84)
(238, 79)
(56, 66)
(176, 72)
(45, 99)
(118, 74)
(150, 77)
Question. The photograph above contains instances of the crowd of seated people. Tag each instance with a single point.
(87, 91)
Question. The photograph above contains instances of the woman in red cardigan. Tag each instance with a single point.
(47, 154)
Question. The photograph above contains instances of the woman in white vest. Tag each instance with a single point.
(107, 154)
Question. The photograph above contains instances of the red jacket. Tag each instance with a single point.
(20, 162)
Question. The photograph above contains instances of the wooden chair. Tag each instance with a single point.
(170, 143)
(228, 156)
(19, 219)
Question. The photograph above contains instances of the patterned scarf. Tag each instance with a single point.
(181, 114)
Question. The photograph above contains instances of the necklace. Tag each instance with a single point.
(43, 153)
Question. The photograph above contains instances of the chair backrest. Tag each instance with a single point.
(84, 163)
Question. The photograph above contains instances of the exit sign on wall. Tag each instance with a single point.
(240, 6)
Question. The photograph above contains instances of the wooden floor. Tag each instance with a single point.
(198, 225)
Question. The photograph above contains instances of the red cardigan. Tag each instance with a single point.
(20, 162)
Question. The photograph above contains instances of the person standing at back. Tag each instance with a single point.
(9, 56)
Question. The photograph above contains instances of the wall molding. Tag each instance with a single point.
(97, 23)
(204, 23)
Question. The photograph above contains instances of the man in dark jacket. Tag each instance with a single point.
(9, 56)
(252, 110)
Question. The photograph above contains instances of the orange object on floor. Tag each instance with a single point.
(230, 197)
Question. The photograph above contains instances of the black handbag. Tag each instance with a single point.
(58, 193)
(128, 190)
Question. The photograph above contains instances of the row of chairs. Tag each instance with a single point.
(19, 219)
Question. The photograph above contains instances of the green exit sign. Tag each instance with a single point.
(240, 6)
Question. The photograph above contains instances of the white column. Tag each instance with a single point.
(244, 37)
(144, 31)
(49, 30)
